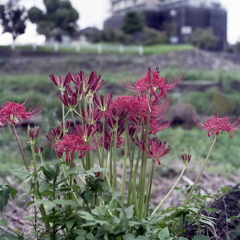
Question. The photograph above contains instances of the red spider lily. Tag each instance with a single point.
(70, 144)
(91, 116)
(88, 85)
(70, 101)
(15, 113)
(54, 135)
(216, 125)
(156, 149)
(60, 82)
(103, 102)
(153, 83)
(86, 131)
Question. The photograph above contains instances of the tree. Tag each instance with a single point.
(203, 38)
(132, 23)
(13, 18)
(59, 15)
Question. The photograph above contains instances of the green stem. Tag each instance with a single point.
(150, 178)
(201, 171)
(160, 204)
(20, 147)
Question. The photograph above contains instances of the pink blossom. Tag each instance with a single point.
(216, 125)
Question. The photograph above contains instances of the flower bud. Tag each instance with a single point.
(186, 158)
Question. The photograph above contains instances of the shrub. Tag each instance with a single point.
(203, 38)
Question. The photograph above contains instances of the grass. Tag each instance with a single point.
(109, 48)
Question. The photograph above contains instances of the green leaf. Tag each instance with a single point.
(164, 234)
(23, 173)
(69, 225)
(3, 222)
(183, 238)
(142, 238)
(13, 191)
(129, 236)
(4, 196)
(79, 231)
(80, 238)
(49, 171)
(38, 202)
(43, 186)
(210, 223)
(90, 236)
(200, 237)
(65, 202)
(7, 236)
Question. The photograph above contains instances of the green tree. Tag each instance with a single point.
(59, 15)
(203, 38)
(13, 18)
(132, 23)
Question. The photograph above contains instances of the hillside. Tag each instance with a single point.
(27, 62)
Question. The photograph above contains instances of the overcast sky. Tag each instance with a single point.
(94, 12)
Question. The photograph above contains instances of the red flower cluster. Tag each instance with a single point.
(15, 113)
(216, 125)
(154, 84)
(70, 144)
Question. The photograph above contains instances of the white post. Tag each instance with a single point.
(99, 48)
(56, 47)
(13, 45)
(34, 46)
(140, 50)
(121, 48)
(78, 48)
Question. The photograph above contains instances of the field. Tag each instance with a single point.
(26, 74)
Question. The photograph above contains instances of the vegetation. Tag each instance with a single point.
(13, 18)
(71, 198)
(60, 17)
(203, 38)
(132, 23)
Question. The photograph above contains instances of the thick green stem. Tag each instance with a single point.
(175, 184)
(144, 170)
(201, 171)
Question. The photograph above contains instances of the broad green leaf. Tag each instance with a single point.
(4, 196)
(129, 236)
(38, 202)
(182, 238)
(79, 231)
(164, 234)
(12, 191)
(80, 238)
(7, 236)
(69, 225)
(90, 236)
(43, 186)
(142, 238)
(23, 173)
(200, 237)
(65, 202)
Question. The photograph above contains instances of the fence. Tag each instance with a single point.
(93, 48)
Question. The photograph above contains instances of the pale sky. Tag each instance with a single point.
(94, 12)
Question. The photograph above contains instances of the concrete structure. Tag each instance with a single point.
(184, 16)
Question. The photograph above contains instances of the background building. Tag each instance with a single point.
(180, 17)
